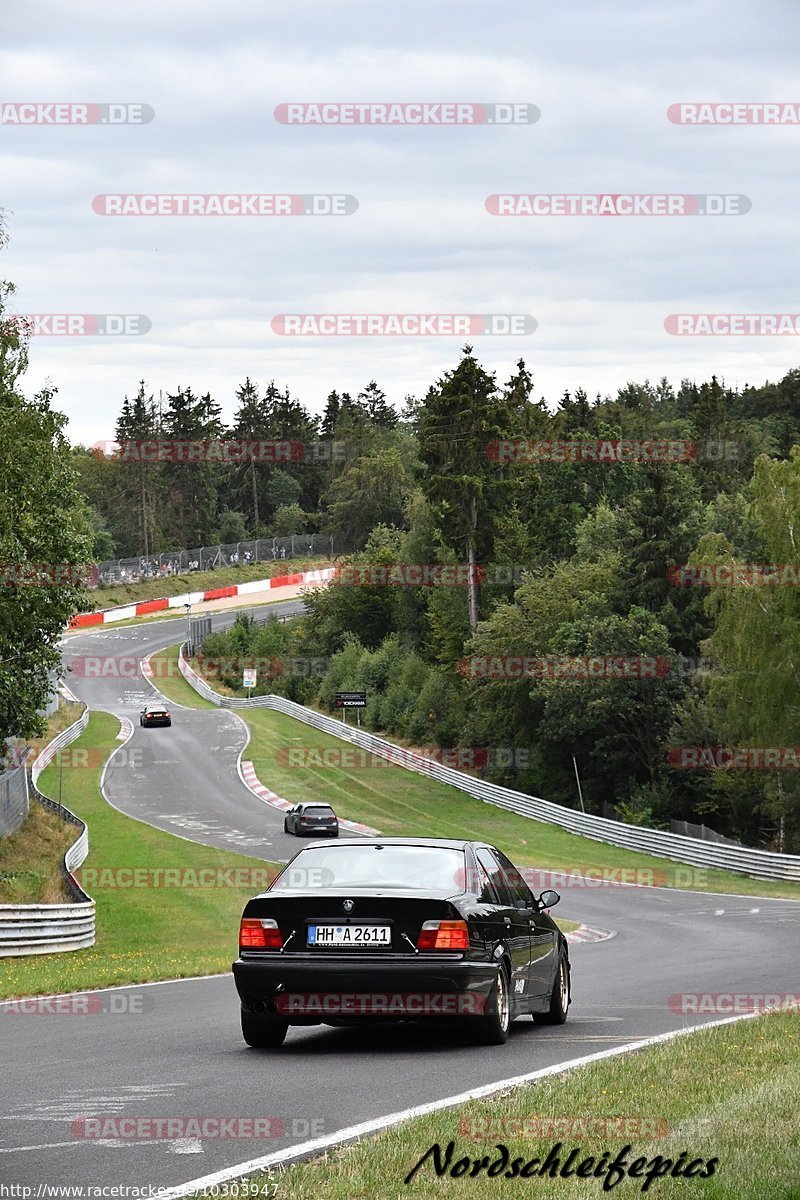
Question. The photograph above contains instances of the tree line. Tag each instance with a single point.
(572, 559)
(144, 498)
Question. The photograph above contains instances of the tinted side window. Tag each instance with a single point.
(516, 884)
(492, 868)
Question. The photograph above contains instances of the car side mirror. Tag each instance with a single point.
(548, 899)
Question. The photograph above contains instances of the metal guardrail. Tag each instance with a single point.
(53, 928)
(761, 864)
(14, 801)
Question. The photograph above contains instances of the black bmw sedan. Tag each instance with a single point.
(399, 929)
(155, 714)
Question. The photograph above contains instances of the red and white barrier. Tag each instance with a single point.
(124, 612)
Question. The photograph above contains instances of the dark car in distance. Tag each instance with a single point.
(155, 714)
(311, 819)
(399, 929)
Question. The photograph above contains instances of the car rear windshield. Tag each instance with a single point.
(318, 810)
(406, 868)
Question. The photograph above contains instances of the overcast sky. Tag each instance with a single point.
(602, 73)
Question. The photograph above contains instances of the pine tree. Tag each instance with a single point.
(463, 413)
(378, 410)
(136, 477)
(192, 487)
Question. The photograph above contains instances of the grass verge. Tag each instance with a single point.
(168, 679)
(747, 1121)
(199, 581)
(398, 801)
(299, 763)
(151, 925)
(31, 857)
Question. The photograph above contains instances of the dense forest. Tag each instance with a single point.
(293, 473)
(497, 549)
(554, 557)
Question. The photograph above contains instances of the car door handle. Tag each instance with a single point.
(506, 920)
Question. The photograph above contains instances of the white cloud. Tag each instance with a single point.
(603, 75)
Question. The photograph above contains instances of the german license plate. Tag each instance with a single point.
(349, 935)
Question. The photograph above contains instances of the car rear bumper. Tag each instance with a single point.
(305, 990)
(157, 721)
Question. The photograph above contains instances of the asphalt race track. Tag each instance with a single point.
(182, 779)
(175, 1050)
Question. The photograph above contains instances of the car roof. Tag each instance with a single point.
(147, 707)
(444, 843)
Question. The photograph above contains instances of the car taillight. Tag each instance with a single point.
(257, 933)
(443, 935)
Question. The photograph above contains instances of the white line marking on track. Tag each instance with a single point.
(121, 987)
(306, 1149)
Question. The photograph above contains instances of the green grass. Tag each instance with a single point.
(399, 802)
(747, 1120)
(30, 859)
(169, 680)
(199, 581)
(144, 932)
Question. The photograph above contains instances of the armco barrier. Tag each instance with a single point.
(52, 928)
(761, 864)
